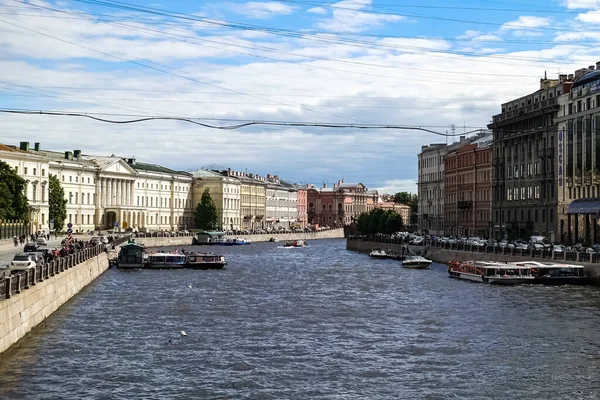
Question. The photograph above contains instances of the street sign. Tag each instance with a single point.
(51, 225)
(69, 225)
(69, 231)
(52, 221)
(116, 224)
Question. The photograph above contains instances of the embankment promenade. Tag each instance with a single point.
(28, 298)
(446, 253)
(189, 240)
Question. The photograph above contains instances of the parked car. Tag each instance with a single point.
(23, 262)
(30, 247)
(41, 241)
(95, 240)
(558, 248)
(103, 239)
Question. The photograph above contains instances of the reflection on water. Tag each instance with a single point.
(310, 323)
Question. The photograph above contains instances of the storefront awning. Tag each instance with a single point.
(584, 206)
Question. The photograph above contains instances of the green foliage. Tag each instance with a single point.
(411, 200)
(56, 202)
(13, 200)
(205, 215)
(379, 221)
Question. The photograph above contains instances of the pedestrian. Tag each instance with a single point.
(16, 241)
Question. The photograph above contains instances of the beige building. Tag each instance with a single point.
(103, 192)
(400, 208)
(225, 191)
(253, 205)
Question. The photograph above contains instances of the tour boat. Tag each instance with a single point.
(228, 241)
(295, 243)
(166, 260)
(205, 261)
(378, 253)
(524, 272)
(416, 262)
(131, 255)
(555, 273)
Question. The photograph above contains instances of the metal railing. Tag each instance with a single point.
(17, 282)
(580, 256)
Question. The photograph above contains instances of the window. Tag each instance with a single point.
(88, 198)
(25, 170)
(63, 178)
(35, 171)
(70, 178)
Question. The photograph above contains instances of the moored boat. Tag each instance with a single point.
(205, 261)
(166, 260)
(273, 239)
(131, 255)
(295, 243)
(514, 273)
(378, 253)
(416, 262)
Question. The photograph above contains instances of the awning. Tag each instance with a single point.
(584, 206)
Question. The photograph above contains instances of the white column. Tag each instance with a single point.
(108, 192)
(131, 195)
(113, 192)
(127, 192)
(122, 192)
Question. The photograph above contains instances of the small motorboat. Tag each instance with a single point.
(273, 239)
(295, 243)
(416, 262)
(378, 253)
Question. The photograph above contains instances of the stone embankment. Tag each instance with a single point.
(29, 298)
(445, 255)
(189, 240)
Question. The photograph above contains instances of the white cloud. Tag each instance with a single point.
(261, 9)
(317, 10)
(591, 17)
(578, 4)
(526, 22)
(347, 17)
(398, 185)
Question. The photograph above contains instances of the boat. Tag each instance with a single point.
(166, 260)
(273, 239)
(548, 273)
(514, 273)
(228, 241)
(131, 255)
(378, 253)
(295, 243)
(416, 262)
(205, 261)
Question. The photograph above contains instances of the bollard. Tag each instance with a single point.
(34, 276)
(8, 282)
(27, 275)
(19, 277)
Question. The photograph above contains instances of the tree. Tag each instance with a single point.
(379, 221)
(57, 203)
(205, 215)
(13, 200)
(411, 200)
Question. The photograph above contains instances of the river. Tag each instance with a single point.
(311, 323)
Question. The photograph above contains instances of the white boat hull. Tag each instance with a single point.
(417, 265)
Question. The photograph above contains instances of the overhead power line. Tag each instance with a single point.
(94, 116)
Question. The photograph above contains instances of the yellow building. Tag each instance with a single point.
(253, 200)
(225, 191)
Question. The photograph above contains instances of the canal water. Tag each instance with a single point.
(310, 323)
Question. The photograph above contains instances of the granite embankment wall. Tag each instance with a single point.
(444, 256)
(188, 240)
(20, 313)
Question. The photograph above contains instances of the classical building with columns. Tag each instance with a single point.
(225, 190)
(103, 192)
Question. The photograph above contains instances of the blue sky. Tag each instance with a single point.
(433, 64)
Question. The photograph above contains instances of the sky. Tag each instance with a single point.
(442, 66)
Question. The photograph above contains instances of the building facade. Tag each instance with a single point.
(302, 206)
(340, 205)
(402, 209)
(431, 185)
(225, 191)
(281, 204)
(468, 189)
(525, 164)
(253, 196)
(578, 158)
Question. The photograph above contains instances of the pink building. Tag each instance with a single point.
(302, 207)
(340, 205)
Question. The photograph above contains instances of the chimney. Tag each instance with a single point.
(24, 146)
(562, 78)
(77, 154)
(571, 77)
(598, 65)
(68, 155)
(324, 185)
(36, 146)
(591, 67)
(131, 161)
(342, 180)
(335, 185)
